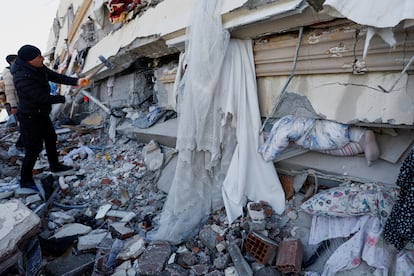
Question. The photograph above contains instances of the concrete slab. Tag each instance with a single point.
(392, 147)
(353, 167)
(350, 167)
(18, 224)
(165, 133)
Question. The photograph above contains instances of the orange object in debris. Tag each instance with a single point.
(107, 157)
(289, 256)
(261, 248)
(83, 82)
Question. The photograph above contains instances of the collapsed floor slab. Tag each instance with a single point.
(349, 167)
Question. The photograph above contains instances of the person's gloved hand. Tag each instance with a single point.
(68, 98)
(82, 82)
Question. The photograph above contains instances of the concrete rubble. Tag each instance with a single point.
(98, 218)
(96, 224)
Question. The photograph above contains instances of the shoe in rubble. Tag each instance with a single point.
(28, 184)
(61, 168)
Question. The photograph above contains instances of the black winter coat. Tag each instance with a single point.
(33, 90)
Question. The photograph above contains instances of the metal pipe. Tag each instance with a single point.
(292, 73)
(95, 100)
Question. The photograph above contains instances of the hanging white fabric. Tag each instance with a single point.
(249, 176)
(196, 186)
(217, 107)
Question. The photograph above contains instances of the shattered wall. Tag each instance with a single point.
(332, 74)
(338, 83)
(126, 90)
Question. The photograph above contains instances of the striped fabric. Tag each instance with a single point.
(352, 148)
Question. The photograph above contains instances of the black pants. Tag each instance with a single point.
(36, 129)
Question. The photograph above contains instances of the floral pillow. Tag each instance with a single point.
(353, 200)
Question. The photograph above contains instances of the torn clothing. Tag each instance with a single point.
(364, 242)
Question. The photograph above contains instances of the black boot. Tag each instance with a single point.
(28, 183)
(60, 168)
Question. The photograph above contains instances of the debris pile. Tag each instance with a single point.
(95, 219)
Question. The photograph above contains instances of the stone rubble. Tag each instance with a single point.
(96, 222)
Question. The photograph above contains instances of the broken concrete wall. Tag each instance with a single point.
(328, 50)
(126, 90)
(344, 98)
(332, 74)
(84, 32)
(164, 85)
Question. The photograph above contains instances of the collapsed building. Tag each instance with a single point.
(248, 93)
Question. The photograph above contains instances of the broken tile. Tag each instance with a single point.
(120, 231)
(123, 215)
(72, 229)
(133, 247)
(102, 211)
(91, 240)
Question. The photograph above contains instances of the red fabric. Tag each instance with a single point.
(118, 9)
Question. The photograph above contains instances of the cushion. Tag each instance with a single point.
(353, 200)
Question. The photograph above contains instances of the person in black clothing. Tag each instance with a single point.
(31, 79)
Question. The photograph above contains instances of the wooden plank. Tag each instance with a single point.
(80, 15)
